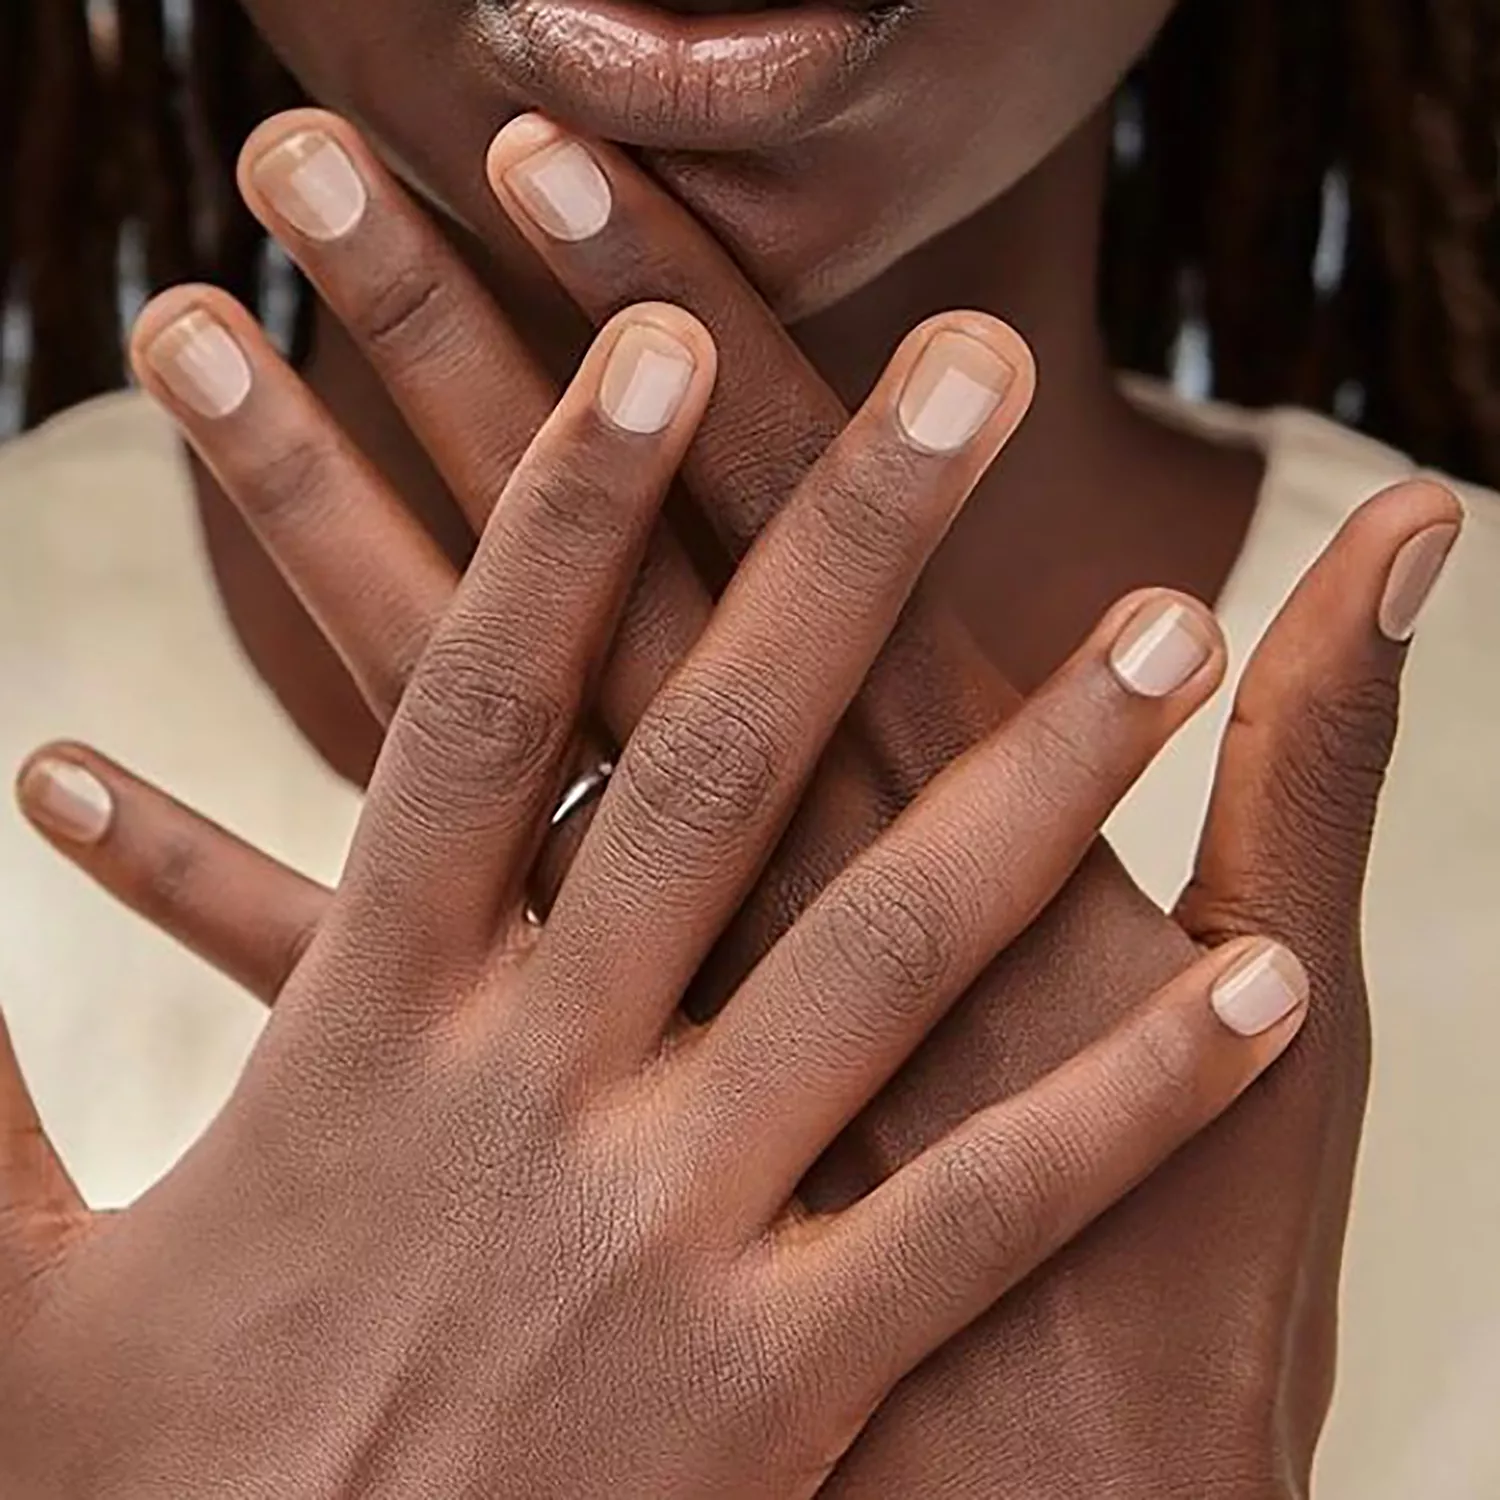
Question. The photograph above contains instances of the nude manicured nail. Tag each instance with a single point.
(311, 181)
(563, 190)
(67, 800)
(646, 379)
(200, 363)
(1414, 574)
(955, 387)
(1164, 646)
(1260, 991)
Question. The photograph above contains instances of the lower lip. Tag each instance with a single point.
(646, 77)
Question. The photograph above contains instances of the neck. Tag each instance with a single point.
(1030, 257)
(1092, 498)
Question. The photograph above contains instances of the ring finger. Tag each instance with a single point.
(477, 750)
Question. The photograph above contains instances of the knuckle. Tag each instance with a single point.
(1060, 750)
(891, 930)
(169, 877)
(1017, 1189)
(701, 762)
(867, 518)
(1328, 766)
(1163, 1070)
(1348, 736)
(1314, 785)
(467, 713)
(406, 313)
(286, 482)
(997, 1191)
(574, 504)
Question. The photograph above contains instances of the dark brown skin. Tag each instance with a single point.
(1185, 1346)
(482, 1219)
(1093, 500)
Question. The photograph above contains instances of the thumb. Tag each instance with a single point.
(1284, 853)
(1314, 723)
(39, 1205)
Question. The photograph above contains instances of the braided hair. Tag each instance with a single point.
(1314, 188)
(118, 138)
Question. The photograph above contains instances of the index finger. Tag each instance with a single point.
(458, 371)
(606, 231)
(611, 237)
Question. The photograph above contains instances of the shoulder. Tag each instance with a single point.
(1318, 472)
(1439, 809)
(110, 466)
(1313, 463)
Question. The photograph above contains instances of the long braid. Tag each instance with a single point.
(1276, 123)
(154, 145)
(17, 22)
(1409, 379)
(67, 240)
(1399, 102)
(227, 86)
(108, 130)
(1459, 161)
(1155, 214)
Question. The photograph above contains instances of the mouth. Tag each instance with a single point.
(686, 75)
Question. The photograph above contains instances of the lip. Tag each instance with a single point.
(653, 78)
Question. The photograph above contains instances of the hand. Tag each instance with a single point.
(1186, 1345)
(481, 1216)
(1079, 966)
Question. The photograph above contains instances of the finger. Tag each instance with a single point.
(38, 1200)
(608, 233)
(475, 756)
(710, 777)
(846, 996)
(611, 235)
(1299, 776)
(604, 230)
(365, 569)
(466, 384)
(236, 908)
(898, 1274)
(1287, 842)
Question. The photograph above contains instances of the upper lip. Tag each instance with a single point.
(645, 76)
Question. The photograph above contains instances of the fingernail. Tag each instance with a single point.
(1260, 991)
(67, 800)
(1163, 647)
(200, 363)
(563, 190)
(955, 387)
(310, 180)
(1414, 574)
(647, 376)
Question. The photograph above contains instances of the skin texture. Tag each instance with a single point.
(481, 1218)
(898, 163)
(1108, 1367)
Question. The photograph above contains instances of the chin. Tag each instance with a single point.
(804, 246)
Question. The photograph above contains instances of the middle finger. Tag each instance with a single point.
(476, 751)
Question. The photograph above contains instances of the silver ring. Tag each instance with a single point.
(582, 791)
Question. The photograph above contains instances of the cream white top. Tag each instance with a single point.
(110, 631)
